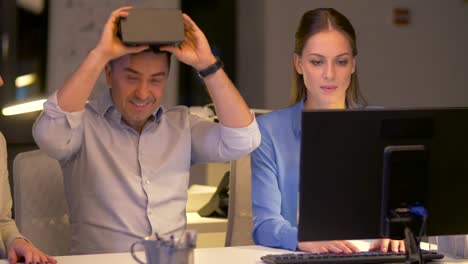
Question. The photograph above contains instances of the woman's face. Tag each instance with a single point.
(326, 64)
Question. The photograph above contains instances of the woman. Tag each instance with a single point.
(12, 244)
(325, 78)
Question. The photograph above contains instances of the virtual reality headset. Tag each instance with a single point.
(152, 26)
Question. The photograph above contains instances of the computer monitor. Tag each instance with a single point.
(356, 164)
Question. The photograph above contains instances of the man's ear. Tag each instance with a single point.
(108, 72)
(298, 63)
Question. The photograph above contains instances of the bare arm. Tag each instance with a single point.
(231, 108)
(195, 51)
(76, 90)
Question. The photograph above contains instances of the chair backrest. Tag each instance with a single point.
(41, 211)
(239, 231)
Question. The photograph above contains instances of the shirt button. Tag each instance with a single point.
(150, 212)
(147, 182)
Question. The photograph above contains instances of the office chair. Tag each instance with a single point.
(239, 231)
(41, 210)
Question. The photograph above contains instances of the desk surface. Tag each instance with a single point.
(205, 224)
(211, 231)
(226, 255)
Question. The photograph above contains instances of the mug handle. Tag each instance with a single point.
(132, 251)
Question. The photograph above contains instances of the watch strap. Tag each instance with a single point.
(212, 68)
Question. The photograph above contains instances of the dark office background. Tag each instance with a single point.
(218, 21)
(23, 35)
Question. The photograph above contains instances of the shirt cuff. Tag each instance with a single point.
(289, 238)
(252, 128)
(246, 139)
(52, 108)
(10, 233)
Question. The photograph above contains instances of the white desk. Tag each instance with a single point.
(206, 224)
(211, 231)
(226, 255)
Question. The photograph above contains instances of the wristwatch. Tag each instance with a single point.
(212, 68)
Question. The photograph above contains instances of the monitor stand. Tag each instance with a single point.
(404, 172)
(400, 223)
(413, 251)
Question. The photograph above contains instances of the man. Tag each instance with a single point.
(126, 159)
(12, 244)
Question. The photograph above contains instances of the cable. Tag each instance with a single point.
(420, 211)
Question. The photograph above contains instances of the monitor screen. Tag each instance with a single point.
(357, 164)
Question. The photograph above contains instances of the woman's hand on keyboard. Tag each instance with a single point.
(341, 246)
(384, 245)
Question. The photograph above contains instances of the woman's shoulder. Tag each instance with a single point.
(280, 116)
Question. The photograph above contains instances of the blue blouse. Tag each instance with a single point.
(275, 178)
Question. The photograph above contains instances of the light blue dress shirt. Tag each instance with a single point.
(122, 186)
(275, 178)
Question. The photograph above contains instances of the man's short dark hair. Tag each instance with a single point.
(156, 50)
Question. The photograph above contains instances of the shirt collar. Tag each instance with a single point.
(104, 105)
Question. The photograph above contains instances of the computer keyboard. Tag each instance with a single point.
(353, 258)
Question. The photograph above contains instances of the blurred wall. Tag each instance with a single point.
(420, 64)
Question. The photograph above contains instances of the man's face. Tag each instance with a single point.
(137, 83)
(1, 81)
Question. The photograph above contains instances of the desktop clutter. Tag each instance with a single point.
(160, 250)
